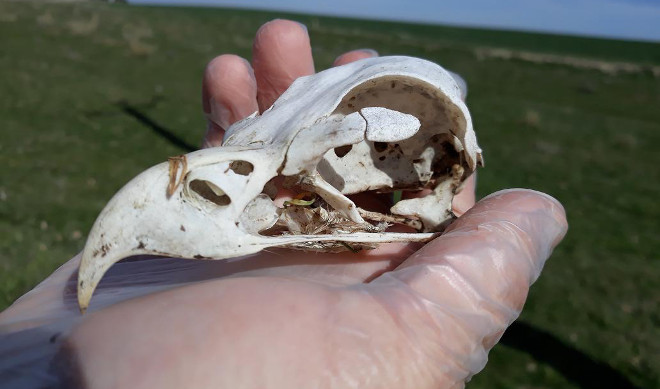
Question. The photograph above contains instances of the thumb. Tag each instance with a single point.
(456, 296)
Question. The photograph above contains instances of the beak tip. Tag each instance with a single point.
(90, 272)
(83, 294)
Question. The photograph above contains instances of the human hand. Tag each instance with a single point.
(390, 317)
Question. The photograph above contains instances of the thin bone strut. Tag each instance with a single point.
(380, 217)
(173, 170)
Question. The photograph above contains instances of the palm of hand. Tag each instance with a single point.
(391, 317)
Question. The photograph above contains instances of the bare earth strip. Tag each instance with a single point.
(575, 62)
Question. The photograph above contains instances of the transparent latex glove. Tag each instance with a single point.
(399, 316)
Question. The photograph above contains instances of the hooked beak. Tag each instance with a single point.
(172, 209)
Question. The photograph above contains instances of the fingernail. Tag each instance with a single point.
(219, 114)
(213, 136)
(303, 26)
(527, 201)
(370, 52)
(523, 192)
(248, 65)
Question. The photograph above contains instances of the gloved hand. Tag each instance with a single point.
(398, 316)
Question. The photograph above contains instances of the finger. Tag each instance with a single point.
(229, 94)
(354, 55)
(465, 199)
(281, 53)
(459, 292)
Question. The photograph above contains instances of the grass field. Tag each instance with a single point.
(577, 118)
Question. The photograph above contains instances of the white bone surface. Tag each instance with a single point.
(379, 124)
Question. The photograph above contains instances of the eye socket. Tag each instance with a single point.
(210, 192)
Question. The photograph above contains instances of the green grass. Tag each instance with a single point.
(586, 137)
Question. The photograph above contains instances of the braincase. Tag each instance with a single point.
(414, 162)
(436, 112)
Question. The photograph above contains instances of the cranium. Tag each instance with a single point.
(380, 124)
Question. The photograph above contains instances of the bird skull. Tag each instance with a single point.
(380, 124)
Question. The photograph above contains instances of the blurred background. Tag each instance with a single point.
(565, 97)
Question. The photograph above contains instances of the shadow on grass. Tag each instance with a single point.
(135, 112)
(573, 364)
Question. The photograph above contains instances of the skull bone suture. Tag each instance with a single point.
(379, 124)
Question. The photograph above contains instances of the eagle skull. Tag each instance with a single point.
(380, 124)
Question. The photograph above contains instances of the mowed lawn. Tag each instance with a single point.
(576, 118)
